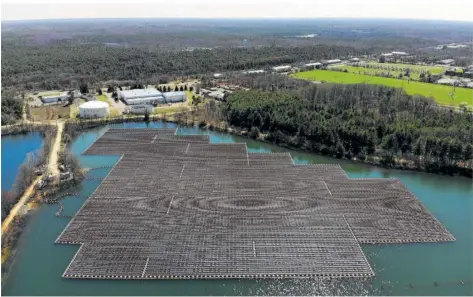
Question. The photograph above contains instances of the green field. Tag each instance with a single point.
(440, 93)
(103, 98)
(414, 68)
(377, 72)
(170, 109)
(391, 69)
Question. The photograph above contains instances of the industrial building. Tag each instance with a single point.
(334, 61)
(93, 109)
(219, 95)
(315, 65)
(141, 96)
(447, 62)
(283, 68)
(253, 71)
(61, 98)
(399, 53)
(178, 96)
(139, 109)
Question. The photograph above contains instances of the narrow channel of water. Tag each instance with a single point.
(411, 269)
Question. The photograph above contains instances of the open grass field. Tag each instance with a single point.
(103, 98)
(170, 109)
(375, 71)
(414, 68)
(51, 112)
(440, 93)
(392, 69)
(74, 111)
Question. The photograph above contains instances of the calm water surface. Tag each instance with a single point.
(15, 149)
(400, 269)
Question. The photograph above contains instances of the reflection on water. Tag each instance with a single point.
(411, 269)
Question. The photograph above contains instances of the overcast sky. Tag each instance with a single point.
(461, 10)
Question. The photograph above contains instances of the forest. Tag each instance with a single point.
(177, 34)
(374, 123)
(12, 107)
(65, 66)
(53, 54)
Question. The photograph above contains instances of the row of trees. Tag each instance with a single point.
(176, 88)
(360, 121)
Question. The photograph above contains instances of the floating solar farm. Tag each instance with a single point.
(179, 207)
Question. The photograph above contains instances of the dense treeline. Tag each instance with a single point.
(377, 123)
(56, 66)
(12, 107)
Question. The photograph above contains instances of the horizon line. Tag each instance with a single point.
(232, 18)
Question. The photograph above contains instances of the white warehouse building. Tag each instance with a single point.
(94, 109)
(141, 96)
(282, 68)
(139, 109)
(174, 96)
(63, 97)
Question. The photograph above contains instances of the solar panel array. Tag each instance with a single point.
(179, 207)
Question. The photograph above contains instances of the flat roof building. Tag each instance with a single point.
(63, 97)
(312, 65)
(282, 68)
(447, 61)
(139, 109)
(333, 61)
(253, 71)
(141, 96)
(175, 96)
(217, 95)
(399, 53)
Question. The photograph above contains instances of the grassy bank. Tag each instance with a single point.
(441, 93)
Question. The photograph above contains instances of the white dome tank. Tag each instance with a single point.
(93, 109)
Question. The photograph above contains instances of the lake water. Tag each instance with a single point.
(411, 269)
(15, 149)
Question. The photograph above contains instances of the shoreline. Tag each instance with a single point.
(171, 118)
(12, 252)
(243, 133)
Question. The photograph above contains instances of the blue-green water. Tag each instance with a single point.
(410, 269)
(15, 149)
